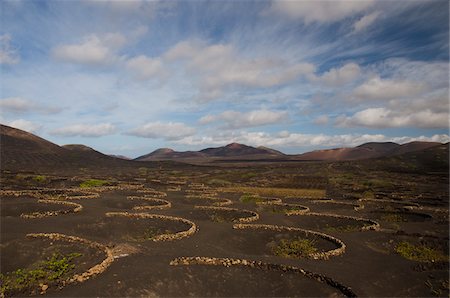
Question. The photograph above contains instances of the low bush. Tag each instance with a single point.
(420, 253)
(93, 183)
(295, 248)
(56, 268)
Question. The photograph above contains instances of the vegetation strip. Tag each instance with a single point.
(254, 216)
(163, 204)
(296, 210)
(227, 262)
(373, 224)
(317, 255)
(276, 192)
(91, 272)
(77, 208)
(162, 237)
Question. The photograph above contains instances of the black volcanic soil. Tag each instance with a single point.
(15, 207)
(369, 265)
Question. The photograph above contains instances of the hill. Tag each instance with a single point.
(365, 151)
(169, 154)
(23, 151)
(235, 149)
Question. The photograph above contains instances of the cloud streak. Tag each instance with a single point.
(85, 130)
(160, 130)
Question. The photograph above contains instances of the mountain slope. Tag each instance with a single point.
(167, 154)
(235, 149)
(23, 151)
(365, 151)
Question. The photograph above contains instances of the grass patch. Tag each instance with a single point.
(93, 183)
(295, 248)
(56, 268)
(420, 253)
(40, 178)
(250, 198)
(277, 192)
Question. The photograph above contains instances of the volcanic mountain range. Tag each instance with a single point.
(240, 151)
(22, 149)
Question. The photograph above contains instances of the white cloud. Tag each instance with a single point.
(145, 68)
(286, 139)
(16, 105)
(8, 55)
(93, 50)
(25, 125)
(386, 89)
(321, 120)
(384, 118)
(319, 11)
(168, 131)
(365, 22)
(85, 130)
(234, 119)
(340, 76)
(219, 67)
(21, 105)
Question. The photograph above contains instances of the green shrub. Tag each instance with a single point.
(93, 183)
(40, 178)
(250, 198)
(295, 248)
(420, 253)
(55, 268)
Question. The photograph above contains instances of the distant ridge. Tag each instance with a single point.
(230, 150)
(366, 151)
(22, 150)
(236, 149)
(240, 152)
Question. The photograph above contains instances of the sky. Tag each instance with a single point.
(128, 77)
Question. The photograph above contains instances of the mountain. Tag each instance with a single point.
(412, 147)
(228, 151)
(168, 154)
(428, 160)
(365, 151)
(235, 149)
(23, 151)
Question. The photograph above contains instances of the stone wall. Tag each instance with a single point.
(318, 255)
(228, 262)
(162, 237)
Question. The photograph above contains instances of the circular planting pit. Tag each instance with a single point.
(286, 242)
(31, 207)
(325, 204)
(42, 262)
(400, 216)
(138, 227)
(223, 214)
(206, 276)
(138, 203)
(283, 208)
(331, 223)
(206, 201)
(152, 193)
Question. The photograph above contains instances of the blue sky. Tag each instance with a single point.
(128, 77)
